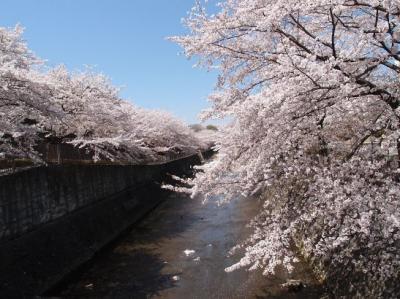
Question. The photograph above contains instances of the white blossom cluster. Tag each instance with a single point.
(39, 104)
(310, 85)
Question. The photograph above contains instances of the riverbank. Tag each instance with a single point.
(53, 219)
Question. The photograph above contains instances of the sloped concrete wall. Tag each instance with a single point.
(53, 219)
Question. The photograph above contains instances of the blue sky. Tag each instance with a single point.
(124, 39)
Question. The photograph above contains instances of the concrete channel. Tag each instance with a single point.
(179, 251)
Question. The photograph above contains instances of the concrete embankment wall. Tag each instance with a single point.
(53, 219)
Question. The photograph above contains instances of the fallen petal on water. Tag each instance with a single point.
(189, 252)
(175, 278)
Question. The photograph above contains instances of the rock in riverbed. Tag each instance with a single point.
(293, 285)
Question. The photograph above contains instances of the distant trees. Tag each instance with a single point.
(80, 108)
(196, 127)
(211, 127)
(309, 84)
(199, 127)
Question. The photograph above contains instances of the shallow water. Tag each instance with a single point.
(180, 251)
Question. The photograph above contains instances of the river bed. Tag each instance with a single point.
(179, 251)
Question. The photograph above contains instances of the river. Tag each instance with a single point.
(179, 251)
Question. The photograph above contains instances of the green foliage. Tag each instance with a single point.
(212, 128)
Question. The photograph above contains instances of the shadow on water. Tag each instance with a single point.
(124, 282)
(151, 260)
(272, 290)
(129, 267)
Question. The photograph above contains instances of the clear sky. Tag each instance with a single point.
(124, 39)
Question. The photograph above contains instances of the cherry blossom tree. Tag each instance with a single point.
(39, 105)
(24, 96)
(310, 85)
